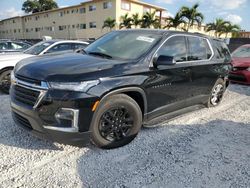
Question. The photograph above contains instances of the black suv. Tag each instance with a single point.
(121, 81)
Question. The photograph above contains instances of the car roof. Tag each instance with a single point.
(9, 40)
(65, 41)
(163, 32)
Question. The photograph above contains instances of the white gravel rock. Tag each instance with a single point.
(205, 148)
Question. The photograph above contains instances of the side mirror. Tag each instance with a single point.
(165, 60)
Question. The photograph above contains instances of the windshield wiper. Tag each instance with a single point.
(100, 54)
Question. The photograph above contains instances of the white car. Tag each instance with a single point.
(8, 61)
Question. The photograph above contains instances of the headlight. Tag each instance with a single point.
(248, 69)
(13, 78)
(74, 86)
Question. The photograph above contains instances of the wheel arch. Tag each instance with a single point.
(135, 93)
(6, 68)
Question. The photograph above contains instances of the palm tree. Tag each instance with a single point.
(148, 20)
(174, 22)
(218, 26)
(136, 20)
(192, 15)
(109, 23)
(126, 21)
(157, 24)
(231, 28)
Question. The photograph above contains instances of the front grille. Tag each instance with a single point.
(21, 121)
(25, 96)
(29, 80)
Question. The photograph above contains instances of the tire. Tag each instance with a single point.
(5, 81)
(217, 93)
(116, 122)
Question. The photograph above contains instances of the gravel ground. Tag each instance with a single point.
(205, 148)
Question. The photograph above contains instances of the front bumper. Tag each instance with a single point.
(41, 121)
(30, 121)
(242, 77)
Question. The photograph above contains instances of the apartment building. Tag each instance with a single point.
(81, 21)
(244, 34)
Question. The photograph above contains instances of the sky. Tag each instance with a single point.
(236, 11)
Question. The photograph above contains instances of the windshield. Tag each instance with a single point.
(38, 48)
(124, 45)
(242, 52)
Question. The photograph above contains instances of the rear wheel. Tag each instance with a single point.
(116, 122)
(217, 93)
(5, 81)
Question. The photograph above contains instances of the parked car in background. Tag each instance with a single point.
(122, 80)
(241, 65)
(7, 46)
(8, 61)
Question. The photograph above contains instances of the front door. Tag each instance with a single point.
(168, 86)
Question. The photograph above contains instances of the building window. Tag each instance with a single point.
(73, 26)
(48, 28)
(107, 5)
(92, 24)
(82, 26)
(92, 7)
(61, 14)
(146, 9)
(62, 27)
(125, 5)
(67, 11)
(82, 10)
(37, 29)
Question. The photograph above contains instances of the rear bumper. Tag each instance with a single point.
(242, 77)
(29, 120)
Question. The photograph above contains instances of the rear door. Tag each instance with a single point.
(203, 76)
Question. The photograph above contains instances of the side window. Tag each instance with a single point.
(79, 46)
(3, 45)
(175, 47)
(221, 50)
(198, 49)
(16, 46)
(60, 47)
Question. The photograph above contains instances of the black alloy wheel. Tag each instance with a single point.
(116, 121)
(116, 124)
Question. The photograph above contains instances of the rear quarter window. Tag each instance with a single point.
(221, 50)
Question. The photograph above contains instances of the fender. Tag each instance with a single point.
(5, 68)
(127, 89)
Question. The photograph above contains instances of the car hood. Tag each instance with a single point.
(241, 62)
(14, 56)
(67, 67)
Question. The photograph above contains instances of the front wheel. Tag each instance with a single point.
(217, 93)
(116, 122)
(5, 81)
